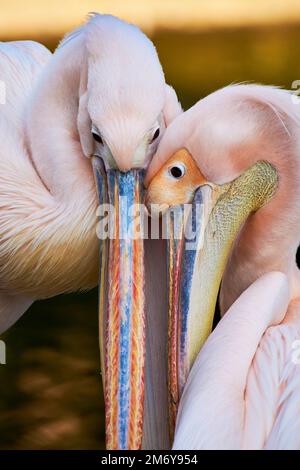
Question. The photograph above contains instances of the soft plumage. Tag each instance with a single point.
(220, 373)
(247, 367)
(226, 133)
(106, 75)
(243, 389)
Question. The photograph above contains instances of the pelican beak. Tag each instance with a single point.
(199, 245)
(121, 303)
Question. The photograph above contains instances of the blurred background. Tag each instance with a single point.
(50, 388)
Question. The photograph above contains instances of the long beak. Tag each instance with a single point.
(121, 303)
(196, 266)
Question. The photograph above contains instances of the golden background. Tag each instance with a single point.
(50, 390)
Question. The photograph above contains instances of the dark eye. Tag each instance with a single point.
(97, 137)
(177, 171)
(155, 135)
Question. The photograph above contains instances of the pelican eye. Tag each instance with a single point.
(97, 138)
(177, 171)
(155, 135)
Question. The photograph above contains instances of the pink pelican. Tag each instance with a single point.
(236, 152)
(100, 101)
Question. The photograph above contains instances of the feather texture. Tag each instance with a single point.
(243, 389)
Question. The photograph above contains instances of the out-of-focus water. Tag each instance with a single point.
(197, 64)
(50, 388)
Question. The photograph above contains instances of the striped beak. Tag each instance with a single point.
(199, 247)
(121, 303)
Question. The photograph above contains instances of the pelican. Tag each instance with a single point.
(235, 154)
(96, 108)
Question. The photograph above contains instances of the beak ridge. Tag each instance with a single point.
(121, 307)
(218, 212)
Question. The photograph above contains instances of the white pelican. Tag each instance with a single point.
(101, 98)
(237, 151)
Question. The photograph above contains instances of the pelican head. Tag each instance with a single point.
(102, 103)
(233, 156)
(120, 123)
(126, 106)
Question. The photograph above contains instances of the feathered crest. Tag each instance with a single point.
(78, 31)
